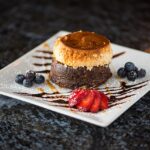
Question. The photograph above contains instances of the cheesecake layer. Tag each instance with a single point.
(83, 49)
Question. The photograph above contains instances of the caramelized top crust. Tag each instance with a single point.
(85, 40)
(80, 49)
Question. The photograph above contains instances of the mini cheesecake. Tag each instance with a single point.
(81, 59)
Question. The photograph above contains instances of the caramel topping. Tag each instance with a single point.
(85, 40)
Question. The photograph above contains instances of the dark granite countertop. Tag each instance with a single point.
(25, 24)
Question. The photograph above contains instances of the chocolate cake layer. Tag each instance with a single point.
(68, 77)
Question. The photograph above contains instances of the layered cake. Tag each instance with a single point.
(81, 59)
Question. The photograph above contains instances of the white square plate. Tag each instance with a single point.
(39, 55)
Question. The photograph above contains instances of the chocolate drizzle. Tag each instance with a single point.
(54, 97)
(46, 71)
(115, 98)
(124, 88)
(45, 52)
(43, 57)
(118, 54)
(40, 65)
(60, 101)
(42, 71)
(115, 94)
(120, 93)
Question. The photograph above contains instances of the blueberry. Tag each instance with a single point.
(121, 72)
(27, 83)
(19, 78)
(30, 75)
(141, 73)
(129, 66)
(136, 69)
(132, 75)
(39, 79)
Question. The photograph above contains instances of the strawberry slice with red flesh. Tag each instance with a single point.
(104, 101)
(86, 102)
(97, 102)
(73, 98)
(76, 96)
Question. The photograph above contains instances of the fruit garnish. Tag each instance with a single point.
(29, 78)
(19, 78)
(39, 79)
(141, 73)
(131, 72)
(88, 100)
(76, 96)
(129, 66)
(121, 72)
(132, 75)
(97, 102)
(104, 101)
(30, 75)
(27, 83)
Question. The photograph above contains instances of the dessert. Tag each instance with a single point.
(88, 100)
(81, 59)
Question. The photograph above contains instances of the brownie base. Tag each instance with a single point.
(68, 77)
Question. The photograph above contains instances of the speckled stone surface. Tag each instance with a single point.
(25, 24)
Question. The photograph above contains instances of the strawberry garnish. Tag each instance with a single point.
(104, 101)
(88, 100)
(96, 104)
(76, 96)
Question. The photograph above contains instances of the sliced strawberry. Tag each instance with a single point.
(73, 94)
(104, 101)
(86, 102)
(96, 104)
(76, 96)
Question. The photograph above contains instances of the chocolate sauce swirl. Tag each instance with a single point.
(43, 71)
(116, 95)
(40, 65)
(43, 57)
(45, 52)
(118, 54)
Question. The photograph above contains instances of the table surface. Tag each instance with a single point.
(24, 25)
